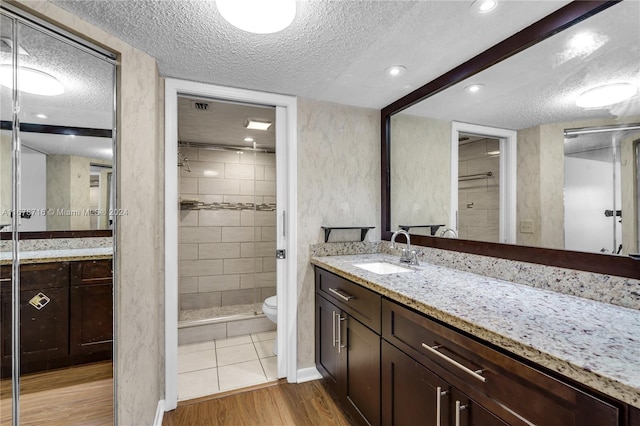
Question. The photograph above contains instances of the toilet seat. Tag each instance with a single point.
(271, 302)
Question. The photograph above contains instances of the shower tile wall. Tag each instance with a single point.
(479, 199)
(227, 257)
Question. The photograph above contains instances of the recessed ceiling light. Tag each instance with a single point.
(248, 139)
(607, 94)
(257, 124)
(396, 70)
(473, 88)
(258, 16)
(40, 116)
(484, 6)
(31, 81)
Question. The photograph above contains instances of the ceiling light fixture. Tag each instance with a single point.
(396, 70)
(484, 6)
(258, 16)
(252, 124)
(474, 88)
(248, 139)
(31, 81)
(607, 94)
(41, 116)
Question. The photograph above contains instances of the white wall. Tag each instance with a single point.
(34, 189)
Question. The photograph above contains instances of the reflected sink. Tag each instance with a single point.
(382, 268)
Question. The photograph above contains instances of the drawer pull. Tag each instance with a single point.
(439, 394)
(475, 374)
(341, 294)
(459, 409)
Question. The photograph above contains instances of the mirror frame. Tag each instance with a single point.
(557, 21)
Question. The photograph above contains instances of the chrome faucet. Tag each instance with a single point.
(408, 256)
(447, 230)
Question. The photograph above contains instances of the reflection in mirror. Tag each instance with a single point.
(536, 93)
(63, 134)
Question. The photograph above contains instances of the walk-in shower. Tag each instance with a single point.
(227, 219)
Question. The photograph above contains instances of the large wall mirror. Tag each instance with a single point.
(504, 150)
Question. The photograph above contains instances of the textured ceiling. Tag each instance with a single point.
(544, 81)
(334, 51)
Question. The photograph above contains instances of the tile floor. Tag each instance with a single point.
(221, 365)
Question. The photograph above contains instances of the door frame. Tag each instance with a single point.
(286, 159)
(508, 175)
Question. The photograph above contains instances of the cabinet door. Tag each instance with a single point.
(327, 357)
(411, 394)
(91, 300)
(467, 412)
(362, 368)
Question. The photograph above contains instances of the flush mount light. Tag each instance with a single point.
(31, 81)
(248, 139)
(258, 16)
(257, 124)
(396, 70)
(484, 6)
(473, 88)
(607, 94)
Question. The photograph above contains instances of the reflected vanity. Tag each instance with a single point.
(506, 160)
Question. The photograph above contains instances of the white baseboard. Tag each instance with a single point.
(159, 413)
(308, 374)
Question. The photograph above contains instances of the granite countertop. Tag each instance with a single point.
(45, 256)
(594, 343)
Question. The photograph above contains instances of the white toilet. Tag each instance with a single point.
(270, 309)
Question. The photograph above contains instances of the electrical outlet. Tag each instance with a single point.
(526, 226)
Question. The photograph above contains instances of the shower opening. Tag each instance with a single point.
(227, 219)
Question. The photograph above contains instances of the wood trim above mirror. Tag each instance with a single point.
(563, 18)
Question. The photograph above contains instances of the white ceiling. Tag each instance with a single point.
(541, 84)
(334, 51)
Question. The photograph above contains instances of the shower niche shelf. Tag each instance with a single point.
(200, 205)
(363, 230)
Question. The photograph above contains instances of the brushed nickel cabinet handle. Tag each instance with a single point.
(341, 294)
(439, 394)
(459, 409)
(474, 374)
(333, 313)
(340, 345)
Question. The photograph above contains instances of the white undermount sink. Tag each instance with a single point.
(382, 268)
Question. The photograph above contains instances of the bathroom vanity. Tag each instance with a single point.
(66, 309)
(438, 346)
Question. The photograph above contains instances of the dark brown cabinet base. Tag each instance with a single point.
(374, 352)
(66, 315)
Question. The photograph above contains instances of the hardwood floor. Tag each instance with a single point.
(280, 404)
(81, 395)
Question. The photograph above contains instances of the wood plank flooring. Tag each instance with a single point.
(81, 395)
(304, 404)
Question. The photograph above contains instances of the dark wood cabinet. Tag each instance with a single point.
(44, 313)
(348, 355)
(66, 314)
(91, 303)
(376, 352)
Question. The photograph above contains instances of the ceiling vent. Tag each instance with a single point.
(200, 106)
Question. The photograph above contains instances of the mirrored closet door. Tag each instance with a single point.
(57, 190)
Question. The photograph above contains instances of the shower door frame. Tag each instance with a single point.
(286, 183)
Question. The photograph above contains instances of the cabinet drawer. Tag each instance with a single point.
(37, 276)
(503, 384)
(357, 301)
(92, 272)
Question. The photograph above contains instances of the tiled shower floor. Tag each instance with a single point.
(220, 365)
(219, 312)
